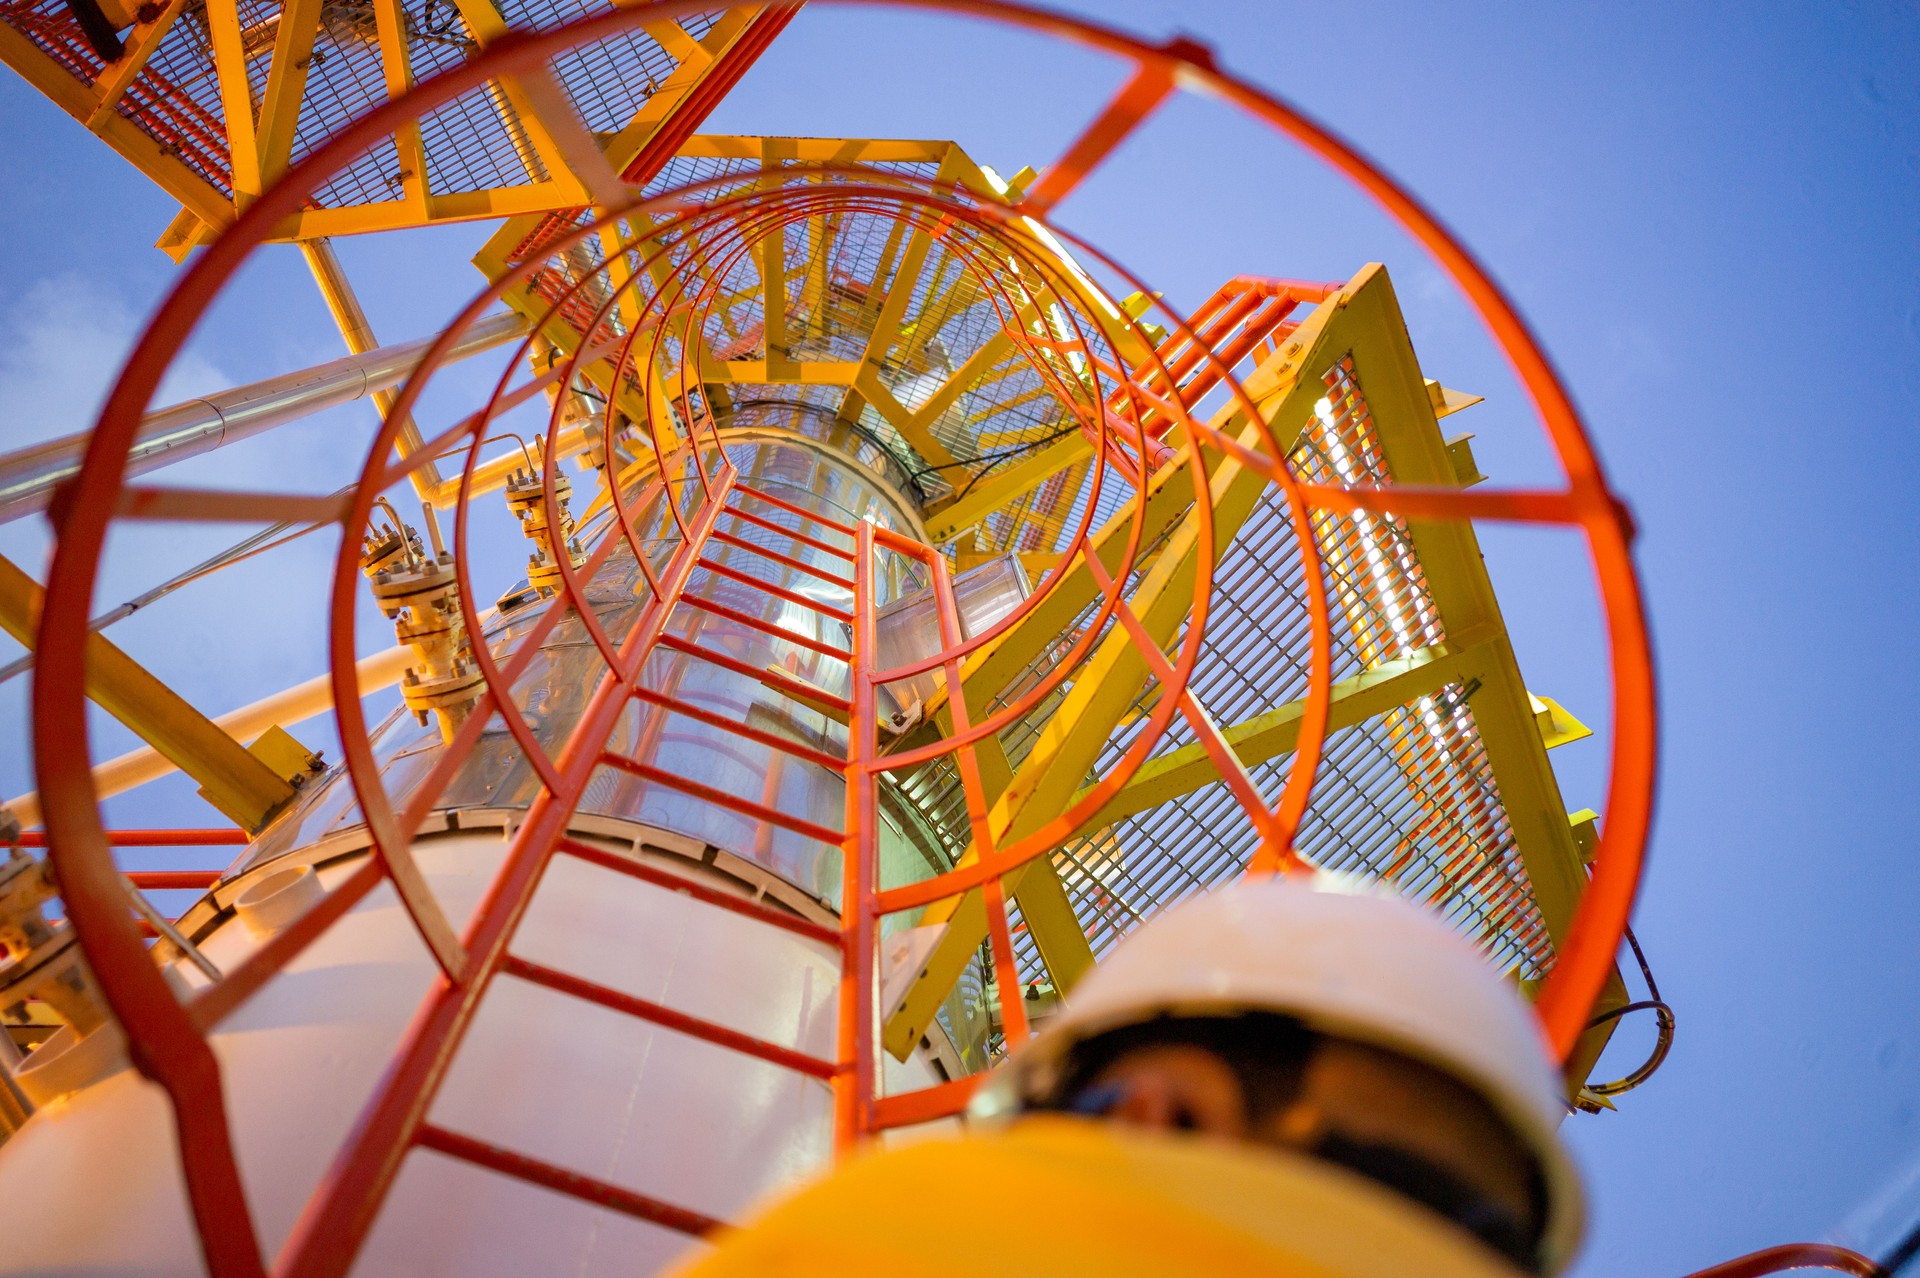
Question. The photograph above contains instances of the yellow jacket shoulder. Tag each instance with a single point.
(1062, 1198)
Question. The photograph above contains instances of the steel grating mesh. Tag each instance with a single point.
(473, 143)
(1407, 797)
(175, 99)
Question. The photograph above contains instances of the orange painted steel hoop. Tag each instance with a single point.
(1792, 1256)
(169, 1048)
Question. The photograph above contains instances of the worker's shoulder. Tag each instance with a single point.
(1064, 1198)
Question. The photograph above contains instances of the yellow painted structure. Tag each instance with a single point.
(248, 784)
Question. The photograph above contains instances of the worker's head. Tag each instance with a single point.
(1332, 1022)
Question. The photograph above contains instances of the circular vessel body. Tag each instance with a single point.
(643, 1033)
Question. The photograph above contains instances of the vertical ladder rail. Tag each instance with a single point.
(859, 861)
(1013, 1009)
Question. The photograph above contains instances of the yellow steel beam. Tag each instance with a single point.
(821, 232)
(876, 297)
(563, 139)
(869, 387)
(674, 38)
(1009, 483)
(947, 277)
(722, 146)
(351, 319)
(78, 101)
(1407, 427)
(1056, 930)
(900, 289)
(235, 781)
(1449, 555)
(1006, 484)
(770, 256)
(1042, 391)
(761, 372)
(388, 215)
(396, 68)
(1036, 562)
(236, 97)
(976, 369)
(1068, 747)
(619, 274)
(974, 178)
(994, 667)
(658, 418)
(1374, 691)
(534, 123)
(643, 233)
(548, 133)
(661, 271)
(522, 203)
(1105, 687)
(1009, 365)
(286, 84)
(623, 146)
(446, 206)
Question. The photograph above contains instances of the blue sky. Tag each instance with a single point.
(1711, 214)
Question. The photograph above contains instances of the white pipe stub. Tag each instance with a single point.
(65, 1064)
(278, 899)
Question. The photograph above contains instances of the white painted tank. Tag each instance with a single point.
(91, 1184)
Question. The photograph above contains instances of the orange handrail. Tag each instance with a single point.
(1788, 1256)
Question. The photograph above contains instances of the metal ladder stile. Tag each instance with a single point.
(328, 1236)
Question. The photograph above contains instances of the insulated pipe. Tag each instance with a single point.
(302, 701)
(29, 476)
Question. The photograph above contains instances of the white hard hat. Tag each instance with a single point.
(1347, 960)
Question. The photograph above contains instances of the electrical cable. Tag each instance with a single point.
(1663, 1043)
(822, 411)
(994, 459)
(259, 543)
(1903, 1252)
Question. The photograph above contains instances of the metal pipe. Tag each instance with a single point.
(164, 928)
(29, 476)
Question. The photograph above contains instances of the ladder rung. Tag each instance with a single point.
(765, 627)
(163, 880)
(800, 537)
(720, 798)
(653, 874)
(661, 1014)
(819, 758)
(560, 1180)
(942, 1100)
(773, 679)
(798, 565)
(791, 596)
(792, 509)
